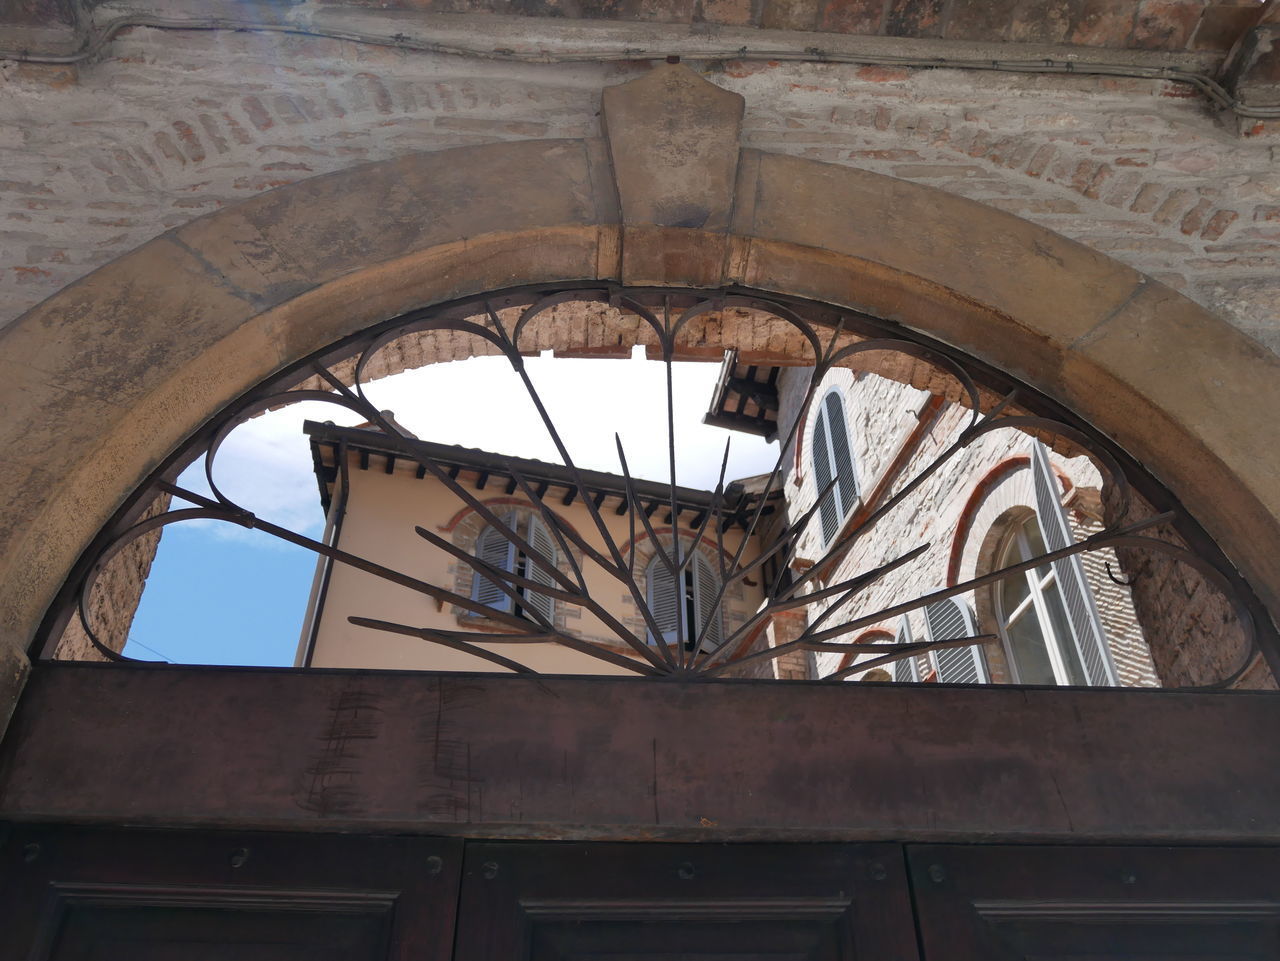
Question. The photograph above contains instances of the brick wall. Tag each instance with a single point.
(168, 126)
(1117, 612)
(115, 596)
(1140, 24)
(1179, 608)
(964, 512)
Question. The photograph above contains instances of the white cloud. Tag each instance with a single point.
(481, 403)
(265, 464)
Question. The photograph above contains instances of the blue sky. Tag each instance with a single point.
(220, 594)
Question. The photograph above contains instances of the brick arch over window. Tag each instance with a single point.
(736, 606)
(103, 380)
(465, 529)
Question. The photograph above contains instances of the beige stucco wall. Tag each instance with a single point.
(381, 513)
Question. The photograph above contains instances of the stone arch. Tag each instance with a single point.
(105, 379)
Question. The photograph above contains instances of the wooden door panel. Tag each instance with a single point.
(660, 940)
(216, 932)
(661, 902)
(86, 895)
(1096, 904)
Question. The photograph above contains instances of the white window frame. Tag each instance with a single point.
(1035, 604)
(824, 457)
(1084, 642)
(1087, 632)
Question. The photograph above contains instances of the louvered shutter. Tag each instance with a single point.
(1082, 614)
(822, 476)
(947, 619)
(537, 569)
(706, 588)
(838, 431)
(664, 599)
(904, 670)
(496, 551)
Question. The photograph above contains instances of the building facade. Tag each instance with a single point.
(378, 506)
(988, 508)
(1005, 216)
(870, 470)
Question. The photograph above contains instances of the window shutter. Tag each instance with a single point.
(821, 457)
(536, 569)
(664, 599)
(945, 620)
(838, 429)
(1086, 629)
(498, 552)
(706, 587)
(905, 670)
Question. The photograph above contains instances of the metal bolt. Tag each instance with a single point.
(878, 871)
(435, 864)
(937, 874)
(489, 870)
(239, 857)
(30, 852)
(685, 871)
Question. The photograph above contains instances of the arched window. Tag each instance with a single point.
(691, 610)
(1046, 616)
(1032, 617)
(833, 460)
(494, 549)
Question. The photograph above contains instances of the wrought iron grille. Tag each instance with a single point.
(835, 608)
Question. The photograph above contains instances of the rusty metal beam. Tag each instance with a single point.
(608, 758)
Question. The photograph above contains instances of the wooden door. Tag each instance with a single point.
(84, 895)
(1097, 903)
(692, 902)
(69, 894)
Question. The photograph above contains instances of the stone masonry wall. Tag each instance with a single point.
(166, 126)
(1178, 605)
(1141, 24)
(115, 596)
(962, 513)
(169, 125)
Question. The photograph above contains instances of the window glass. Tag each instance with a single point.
(1026, 643)
(1034, 545)
(1062, 635)
(1022, 609)
(1013, 590)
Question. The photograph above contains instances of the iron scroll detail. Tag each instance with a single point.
(837, 607)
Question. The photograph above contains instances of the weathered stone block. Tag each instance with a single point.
(853, 16)
(674, 140)
(991, 256)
